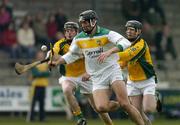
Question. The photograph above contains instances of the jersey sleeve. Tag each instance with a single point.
(121, 42)
(74, 53)
(134, 52)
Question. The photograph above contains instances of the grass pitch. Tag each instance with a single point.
(8, 120)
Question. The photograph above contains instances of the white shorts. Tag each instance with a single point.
(85, 87)
(141, 87)
(105, 79)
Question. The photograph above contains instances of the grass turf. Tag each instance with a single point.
(8, 120)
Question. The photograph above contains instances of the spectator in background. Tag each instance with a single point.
(9, 40)
(4, 18)
(59, 35)
(39, 27)
(132, 9)
(51, 26)
(155, 23)
(169, 48)
(61, 19)
(8, 6)
(26, 41)
(40, 81)
(29, 18)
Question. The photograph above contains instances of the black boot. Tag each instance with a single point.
(82, 121)
(159, 102)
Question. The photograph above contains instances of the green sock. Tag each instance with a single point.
(79, 116)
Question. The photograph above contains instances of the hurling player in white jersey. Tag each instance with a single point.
(106, 76)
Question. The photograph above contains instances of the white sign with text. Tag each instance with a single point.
(17, 98)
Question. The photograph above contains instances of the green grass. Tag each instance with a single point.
(8, 120)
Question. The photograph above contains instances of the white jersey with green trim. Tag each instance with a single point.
(92, 46)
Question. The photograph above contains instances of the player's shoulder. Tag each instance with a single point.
(141, 42)
(60, 41)
(81, 35)
(109, 32)
(103, 30)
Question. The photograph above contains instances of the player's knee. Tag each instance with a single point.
(124, 105)
(67, 91)
(102, 109)
(149, 109)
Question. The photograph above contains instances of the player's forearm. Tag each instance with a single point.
(114, 50)
(57, 60)
(61, 61)
(102, 57)
(70, 57)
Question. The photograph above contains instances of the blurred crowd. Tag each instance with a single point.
(20, 39)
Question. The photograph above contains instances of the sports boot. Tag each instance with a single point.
(82, 121)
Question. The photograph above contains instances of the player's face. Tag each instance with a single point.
(70, 33)
(86, 26)
(131, 33)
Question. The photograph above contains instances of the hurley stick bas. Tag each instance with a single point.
(20, 68)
